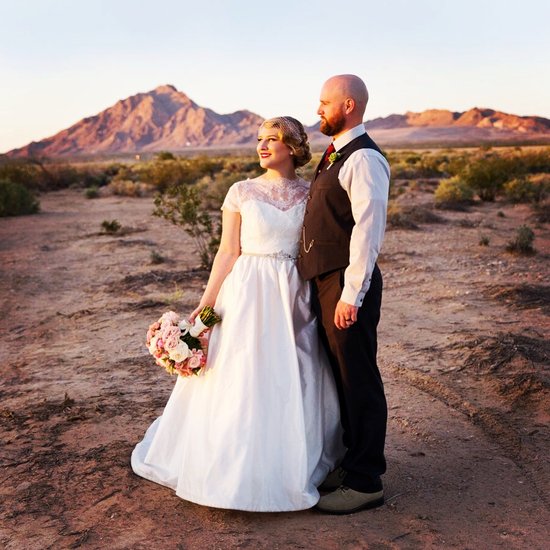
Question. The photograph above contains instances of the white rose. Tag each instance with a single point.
(180, 352)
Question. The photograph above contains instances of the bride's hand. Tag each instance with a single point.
(197, 310)
(194, 313)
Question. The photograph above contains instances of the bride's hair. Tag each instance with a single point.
(293, 135)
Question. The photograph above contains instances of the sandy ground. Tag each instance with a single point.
(464, 354)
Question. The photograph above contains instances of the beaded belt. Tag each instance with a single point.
(281, 256)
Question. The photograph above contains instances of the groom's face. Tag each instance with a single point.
(331, 111)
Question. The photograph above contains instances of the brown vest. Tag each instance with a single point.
(328, 220)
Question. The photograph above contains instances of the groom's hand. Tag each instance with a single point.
(345, 315)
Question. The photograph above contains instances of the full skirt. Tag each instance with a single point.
(259, 429)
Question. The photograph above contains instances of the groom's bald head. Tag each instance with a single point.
(349, 86)
(342, 104)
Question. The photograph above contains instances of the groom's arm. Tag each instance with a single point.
(365, 176)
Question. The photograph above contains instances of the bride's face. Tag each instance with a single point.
(272, 151)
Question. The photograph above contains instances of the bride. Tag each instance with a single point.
(259, 429)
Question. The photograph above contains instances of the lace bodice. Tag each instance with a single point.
(280, 193)
(271, 211)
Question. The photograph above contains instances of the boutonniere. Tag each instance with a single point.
(333, 157)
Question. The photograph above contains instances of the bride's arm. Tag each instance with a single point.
(228, 252)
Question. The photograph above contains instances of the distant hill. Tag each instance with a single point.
(473, 126)
(166, 119)
(162, 119)
(454, 128)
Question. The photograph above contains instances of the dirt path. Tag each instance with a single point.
(464, 353)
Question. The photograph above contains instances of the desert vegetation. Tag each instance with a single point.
(189, 190)
(16, 199)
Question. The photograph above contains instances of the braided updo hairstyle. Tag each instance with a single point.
(292, 134)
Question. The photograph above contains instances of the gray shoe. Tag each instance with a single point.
(346, 501)
(333, 480)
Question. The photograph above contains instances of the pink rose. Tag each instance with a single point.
(169, 318)
(196, 360)
(171, 337)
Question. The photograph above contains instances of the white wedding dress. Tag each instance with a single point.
(259, 429)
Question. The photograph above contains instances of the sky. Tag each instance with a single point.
(63, 60)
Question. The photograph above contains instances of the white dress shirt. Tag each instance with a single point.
(365, 176)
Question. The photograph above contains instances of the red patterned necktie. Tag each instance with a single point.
(328, 152)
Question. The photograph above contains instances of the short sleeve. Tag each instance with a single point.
(232, 200)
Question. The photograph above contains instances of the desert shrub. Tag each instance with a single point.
(92, 192)
(22, 172)
(523, 242)
(62, 176)
(165, 155)
(527, 189)
(16, 199)
(453, 165)
(125, 173)
(408, 216)
(126, 188)
(398, 218)
(484, 240)
(166, 173)
(111, 227)
(533, 162)
(93, 178)
(413, 158)
(214, 189)
(416, 166)
(183, 206)
(156, 258)
(453, 194)
(487, 175)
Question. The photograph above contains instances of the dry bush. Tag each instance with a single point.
(16, 200)
(408, 217)
(92, 192)
(129, 188)
(484, 240)
(523, 242)
(111, 227)
(453, 194)
(530, 189)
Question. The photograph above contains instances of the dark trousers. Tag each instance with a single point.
(352, 355)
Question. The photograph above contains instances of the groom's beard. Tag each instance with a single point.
(333, 127)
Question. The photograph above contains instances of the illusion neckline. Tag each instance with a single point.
(281, 181)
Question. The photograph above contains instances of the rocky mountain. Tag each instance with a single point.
(162, 119)
(473, 126)
(166, 119)
(439, 126)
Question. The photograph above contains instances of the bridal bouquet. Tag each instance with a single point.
(178, 345)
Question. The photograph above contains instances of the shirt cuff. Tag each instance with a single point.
(350, 296)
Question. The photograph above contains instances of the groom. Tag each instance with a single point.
(342, 234)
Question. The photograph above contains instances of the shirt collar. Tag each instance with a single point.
(350, 135)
